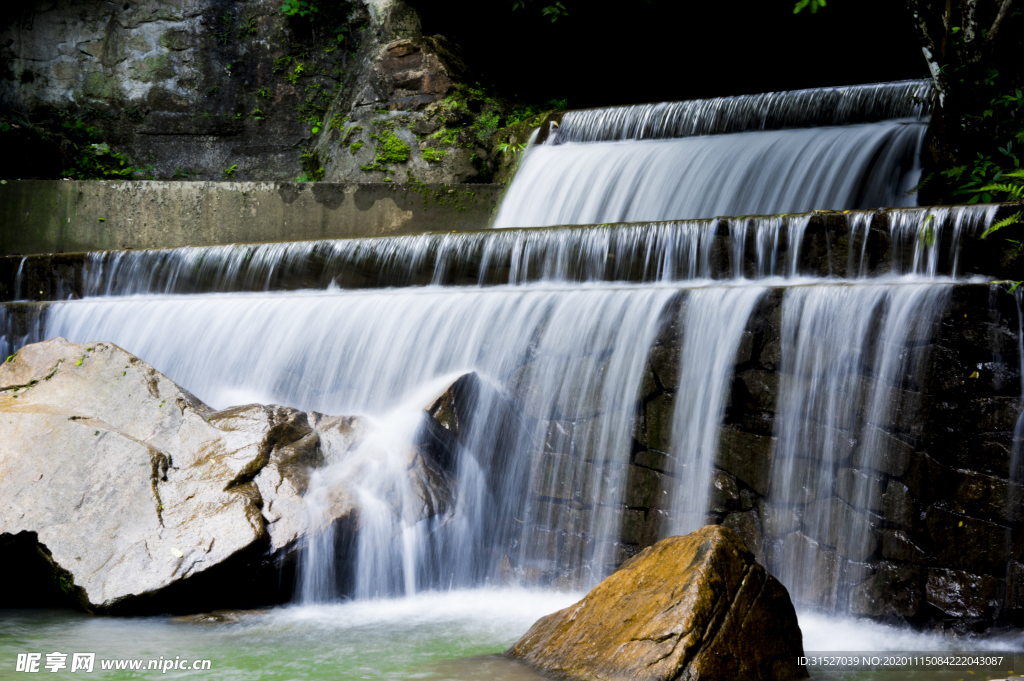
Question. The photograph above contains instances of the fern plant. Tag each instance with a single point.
(1014, 190)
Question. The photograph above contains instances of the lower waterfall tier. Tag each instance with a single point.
(862, 437)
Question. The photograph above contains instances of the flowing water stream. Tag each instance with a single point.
(560, 321)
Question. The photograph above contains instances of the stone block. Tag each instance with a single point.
(575, 551)
(860, 489)
(763, 388)
(541, 546)
(558, 437)
(883, 451)
(927, 479)
(770, 354)
(895, 410)
(820, 442)
(894, 590)
(656, 521)
(855, 573)
(837, 525)
(653, 459)
(659, 414)
(801, 481)
(898, 505)
(777, 520)
(746, 348)
(664, 359)
(966, 543)
(996, 413)
(600, 438)
(811, 570)
(563, 477)
(648, 384)
(897, 545)
(613, 553)
(725, 494)
(1014, 586)
(987, 496)
(746, 456)
(962, 594)
(632, 527)
(645, 488)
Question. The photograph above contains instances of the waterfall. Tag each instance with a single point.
(366, 352)
(768, 111)
(668, 251)
(713, 322)
(608, 349)
(846, 353)
(757, 172)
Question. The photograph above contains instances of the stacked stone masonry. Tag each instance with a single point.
(943, 517)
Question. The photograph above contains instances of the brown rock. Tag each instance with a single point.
(693, 607)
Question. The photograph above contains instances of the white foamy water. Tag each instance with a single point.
(749, 173)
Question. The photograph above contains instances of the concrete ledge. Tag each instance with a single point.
(53, 216)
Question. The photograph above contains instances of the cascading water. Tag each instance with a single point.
(558, 323)
(571, 352)
(845, 353)
(733, 156)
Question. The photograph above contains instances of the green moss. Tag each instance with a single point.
(390, 149)
(152, 69)
(434, 155)
(356, 146)
(101, 86)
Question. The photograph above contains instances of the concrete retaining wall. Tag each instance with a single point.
(54, 216)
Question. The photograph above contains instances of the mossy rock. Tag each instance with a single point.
(152, 69)
(101, 86)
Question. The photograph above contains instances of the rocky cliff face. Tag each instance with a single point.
(210, 89)
(127, 494)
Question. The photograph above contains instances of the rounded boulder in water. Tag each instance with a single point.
(692, 607)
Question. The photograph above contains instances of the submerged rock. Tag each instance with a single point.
(139, 497)
(693, 607)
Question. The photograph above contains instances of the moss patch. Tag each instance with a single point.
(390, 149)
(434, 155)
(152, 69)
(101, 86)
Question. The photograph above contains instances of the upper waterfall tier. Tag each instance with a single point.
(923, 241)
(910, 99)
(780, 152)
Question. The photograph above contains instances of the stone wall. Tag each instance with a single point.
(943, 523)
(208, 89)
(55, 216)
